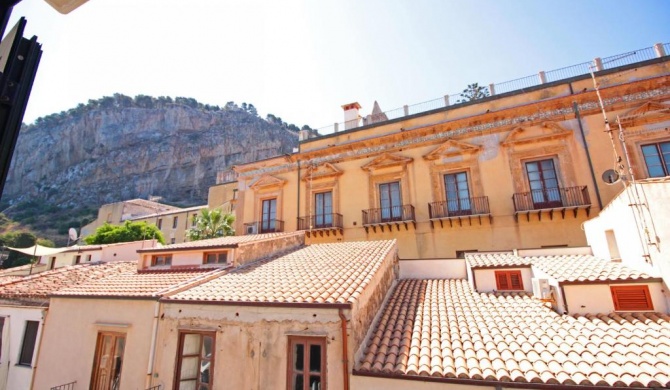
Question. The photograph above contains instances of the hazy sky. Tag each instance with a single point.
(301, 60)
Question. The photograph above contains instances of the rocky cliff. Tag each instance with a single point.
(100, 153)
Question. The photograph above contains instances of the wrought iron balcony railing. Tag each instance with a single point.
(321, 221)
(265, 226)
(66, 386)
(459, 207)
(404, 213)
(552, 199)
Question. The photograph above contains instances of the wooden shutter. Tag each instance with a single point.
(508, 280)
(631, 298)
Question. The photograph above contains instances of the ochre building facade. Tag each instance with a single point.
(517, 170)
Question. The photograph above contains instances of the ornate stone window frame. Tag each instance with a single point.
(265, 188)
(454, 157)
(388, 168)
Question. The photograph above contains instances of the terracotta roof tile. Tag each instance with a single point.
(322, 273)
(522, 339)
(230, 241)
(131, 283)
(500, 259)
(42, 284)
(585, 268)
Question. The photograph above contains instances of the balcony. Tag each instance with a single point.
(267, 226)
(459, 210)
(551, 200)
(389, 216)
(321, 223)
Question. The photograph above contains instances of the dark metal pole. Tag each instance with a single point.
(588, 154)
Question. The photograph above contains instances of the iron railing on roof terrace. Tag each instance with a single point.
(66, 386)
(551, 198)
(598, 64)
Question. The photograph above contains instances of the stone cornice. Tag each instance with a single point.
(531, 114)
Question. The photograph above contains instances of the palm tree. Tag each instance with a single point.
(211, 224)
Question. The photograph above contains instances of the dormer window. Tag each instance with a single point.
(216, 258)
(158, 260)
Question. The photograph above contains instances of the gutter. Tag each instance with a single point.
(575, 108)
(345, 351)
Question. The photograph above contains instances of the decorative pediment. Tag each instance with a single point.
(387, 160)
(649, 112)
(267, 181)
(326, 170)
(546, 132)
(453, 148)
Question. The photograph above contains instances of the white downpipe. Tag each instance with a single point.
(152, 351)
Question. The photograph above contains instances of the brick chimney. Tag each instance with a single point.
(351, 116)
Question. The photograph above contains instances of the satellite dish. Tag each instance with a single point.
(610, 176)
(72, 233)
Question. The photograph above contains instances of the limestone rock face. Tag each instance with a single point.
(107, 155)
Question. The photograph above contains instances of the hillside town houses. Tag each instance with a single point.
(512, 241)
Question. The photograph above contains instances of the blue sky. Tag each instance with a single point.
(301, 60)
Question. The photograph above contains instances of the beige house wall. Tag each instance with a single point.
(70, 337)
(250, 343)
(491, 141)
(12, 375)
(433, 269)
(597, 298)
(485, 278)
(637, 247)
(170, 231)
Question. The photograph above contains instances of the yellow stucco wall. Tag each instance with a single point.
(492, 141)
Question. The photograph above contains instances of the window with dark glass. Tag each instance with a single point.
(657, 159)
(323, 209)
(175, 221)
(508, 280)
(195, 361)
(269, 215)
(77, 259)
(543, 184)
(458, 193)
(161, 260)
(307, 363)
(108, 361)
(390, 201)
(159, 223)
(28, 344)
(216, 258)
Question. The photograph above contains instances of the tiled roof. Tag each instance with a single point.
(170, 212)
(501, 259)
(444, 329)
(151, 204)
(136, 284)
(321, 273)
(230, 241)
(585, 268)
(42, 284)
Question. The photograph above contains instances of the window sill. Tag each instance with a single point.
(23, 365)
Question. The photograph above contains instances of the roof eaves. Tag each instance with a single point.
(610, 281)
(305, 305)
(186, 248)
(488, 383)
(190, 283)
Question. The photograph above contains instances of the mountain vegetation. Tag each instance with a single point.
(67, 164)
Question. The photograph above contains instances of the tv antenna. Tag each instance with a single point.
(72, 236)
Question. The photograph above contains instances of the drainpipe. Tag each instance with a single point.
(297, 219)
(565, 300)
(588, 154)
(152, 351)
(345, 352)
(37, 348)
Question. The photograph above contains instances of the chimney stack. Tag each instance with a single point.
(351, 116)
